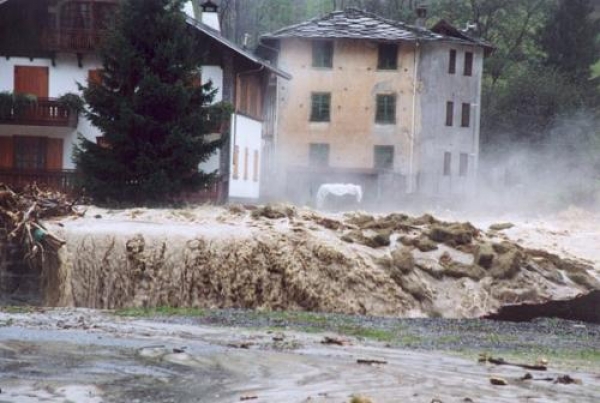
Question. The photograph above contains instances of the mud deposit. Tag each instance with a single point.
(85, 356)
(281, 257)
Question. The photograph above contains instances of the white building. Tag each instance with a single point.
(48, 46)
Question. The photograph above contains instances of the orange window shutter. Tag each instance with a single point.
(102, 141)
(6, 152)
(246, 163)
(256, 165)
(31, 80)
(54, 153)
(236, 154)
(197, 80)
(95, 76)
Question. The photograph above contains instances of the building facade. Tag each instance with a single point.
(389, 106)
(47, 47)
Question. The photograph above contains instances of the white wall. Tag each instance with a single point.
(246, 134)
(212, 20)
(188, 8)
(214, 74)
(63, 78)
(213, 163)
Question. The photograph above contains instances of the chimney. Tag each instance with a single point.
(210, 15)
(421, 12)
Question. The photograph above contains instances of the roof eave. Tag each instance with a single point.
(216, 35)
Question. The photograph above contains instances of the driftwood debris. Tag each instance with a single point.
(21, 214)
(502, 361)
(498, 381)
(335, 341)
(371, 361)
(565, 379)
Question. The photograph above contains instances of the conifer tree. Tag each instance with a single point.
(148, 108)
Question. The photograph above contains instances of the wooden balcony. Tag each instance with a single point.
(58, 180)
(72, 40)
(43, 112)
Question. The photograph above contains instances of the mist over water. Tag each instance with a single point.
(544, 176)
(559, 169)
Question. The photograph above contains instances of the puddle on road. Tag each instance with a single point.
(161, 365)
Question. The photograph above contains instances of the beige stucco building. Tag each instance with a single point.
(389, 106)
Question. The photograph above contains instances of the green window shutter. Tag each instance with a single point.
(322, 54)
(388, 56)
(320, 107)
(386, 109)
(383, 157)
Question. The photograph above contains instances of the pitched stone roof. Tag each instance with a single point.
(356, 24)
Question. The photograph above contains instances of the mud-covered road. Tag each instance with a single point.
(79, 355)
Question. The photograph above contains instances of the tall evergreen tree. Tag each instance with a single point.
(148, 108)
(570, 39)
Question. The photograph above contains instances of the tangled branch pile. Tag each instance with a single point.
(20, 215)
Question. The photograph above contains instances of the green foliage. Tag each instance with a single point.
(13, 104)
(510, 25)
(524, 106)
(72, 101)
(547, 79)
(570, 39)
(146, 105)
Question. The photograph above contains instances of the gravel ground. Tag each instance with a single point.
(561, 339)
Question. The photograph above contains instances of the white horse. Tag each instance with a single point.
(338, 191)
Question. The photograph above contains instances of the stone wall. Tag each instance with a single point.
(19, 283)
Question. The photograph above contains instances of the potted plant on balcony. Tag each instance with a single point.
(12, 104)
(72, 101)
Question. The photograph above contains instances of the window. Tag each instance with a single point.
(320, 107)
(447, 163)
(386, 109)
(236, 162)
(30, 152)
(384, 157)
(468, 63)
(256, 165)
(82, 14)
(449, 113)
(388, 56)
(465, 120)
(319, 154)
(76, 15)
(452, 62)
(322, 54)
(245, 163)
(463, 167)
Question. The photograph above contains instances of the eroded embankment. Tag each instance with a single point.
(286, 258)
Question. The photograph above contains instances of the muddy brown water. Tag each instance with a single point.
(297, 259)
(87, 356)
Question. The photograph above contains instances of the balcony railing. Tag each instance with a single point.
(72, 40)
(42, 112)
(59, 180)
